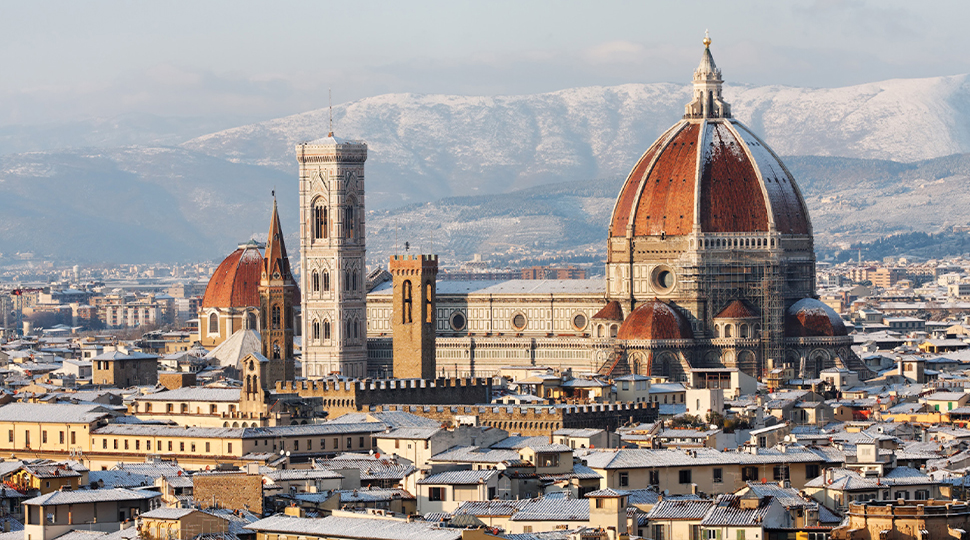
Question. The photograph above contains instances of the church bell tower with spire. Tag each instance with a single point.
(278, 293)
(333, 259)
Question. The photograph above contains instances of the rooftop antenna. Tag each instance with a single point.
(330, 95)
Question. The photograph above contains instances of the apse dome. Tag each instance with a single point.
(235, 282)
(811, 318)
(655, 320)
(709, 173)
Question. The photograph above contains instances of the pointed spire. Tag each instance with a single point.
(275, 259)
(707, 102)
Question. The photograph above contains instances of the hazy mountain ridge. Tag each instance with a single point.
(515, 159)
(423, 147)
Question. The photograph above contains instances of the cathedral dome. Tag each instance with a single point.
(235, 282)
(655, 320)
(711, 174)
(811, 318)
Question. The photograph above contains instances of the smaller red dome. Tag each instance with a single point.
(811, 318)
(235, 282)
(737, 309)
(610, 312)
(655, 320)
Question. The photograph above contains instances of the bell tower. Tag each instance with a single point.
(332, 258)
(413, 315)
(277, 295)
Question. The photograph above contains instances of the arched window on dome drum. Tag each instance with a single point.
(213, 324)
(276, 317)
(326, 329)
(406, 302)
(315, 281)
(320, 222)
(743, 331)
(316, 330)
(251, 321)
(326, 281)
(728, 331)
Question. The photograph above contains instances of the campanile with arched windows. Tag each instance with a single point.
(333, 277)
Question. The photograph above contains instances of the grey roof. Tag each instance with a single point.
(551, 508)
(357, 528)
(410, 433)
(492, 508)
(194, 393)
(579, 471)
(283, 475)
(676, 508)
(578, 432)
(373, 495)
(518, 441)
(549, 448)
(727, 511)
(848, 480)
(641, 458)
(126, 479)
(644, 496)
(475, 454)
(391, 419)
(460, 477)
(370, 468)
(82, 496)
(608, 492)
(168, 513)
(59, 413)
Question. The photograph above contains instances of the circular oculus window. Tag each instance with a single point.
(518, 321)
(663, 278)
(457, 321)
(579, 321)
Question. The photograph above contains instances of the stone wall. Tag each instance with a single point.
(174, 380)
(236, 491)
(904, 520)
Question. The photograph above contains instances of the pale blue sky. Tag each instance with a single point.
(69, 60)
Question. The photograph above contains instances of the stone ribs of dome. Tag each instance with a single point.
(713, 176)
(709, 174)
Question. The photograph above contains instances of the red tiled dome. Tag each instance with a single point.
(236, 282)
(737, 309)
(811, 318)
(655, 320)
(709, 172)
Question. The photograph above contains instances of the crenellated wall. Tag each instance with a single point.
(353, 396)
(536, 420)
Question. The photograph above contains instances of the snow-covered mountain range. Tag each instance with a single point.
(196, 200)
